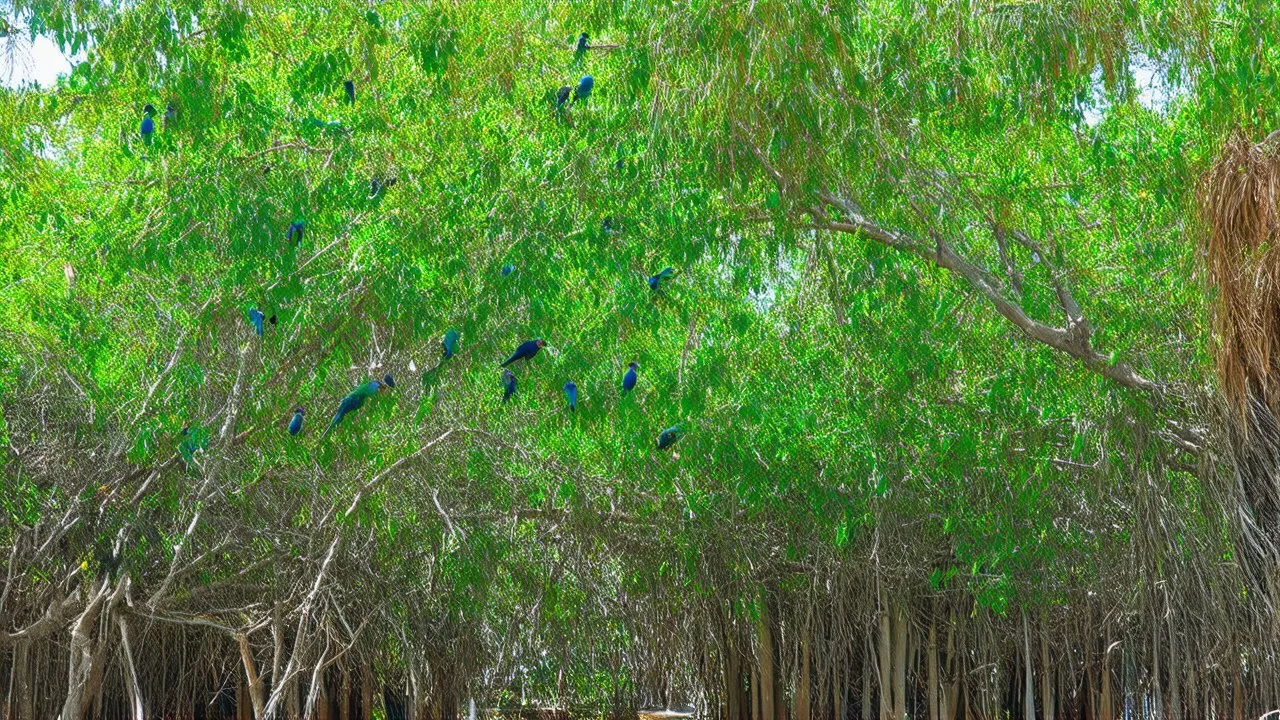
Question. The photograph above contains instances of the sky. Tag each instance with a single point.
(23, 61)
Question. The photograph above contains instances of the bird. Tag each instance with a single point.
(669, 437)
(508, 269)
(353, 402)
(388, 380)
(562, 96)
(170, 114)
(571, 392)
(350, 87)
(256, 317)
(295, 425)
(508, 385)
(584, 88)
(629, 380)
(294, 234)
(192, 441)
(582, 43)
(526, 351)
(655, 280)
(148, 128)
(450, 344)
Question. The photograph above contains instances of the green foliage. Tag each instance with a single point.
(1002, 464)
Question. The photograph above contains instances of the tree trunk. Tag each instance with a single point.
(366, 692)
(952, 694)
(866, 680)
(81, 675)
(764, 658)
(251, 673)
(931, 663)
(899, 664)
(130, 671)
(344, 694)
(802, 683)
(1047, 672)
(1237, 695)
(886, 693)
(1028, 682)
(1106, 711)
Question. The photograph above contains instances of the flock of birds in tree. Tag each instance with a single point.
(526, 351)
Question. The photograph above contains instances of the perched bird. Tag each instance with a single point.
(562, 96)
(526, 351)
(193, 440)
(388, 380)
(354, 401)
(571, 392)
(148, 128)
(629, 380)
(508, 269)
(582, 43)
(450, 344)
(350, 87)
(295, 425)
(256, 317)
(583, 90)
(508, 385)
(669, 437)
(377, 185)
(294, 234)
(657, 279)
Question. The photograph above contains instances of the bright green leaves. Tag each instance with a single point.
(433, 40)
(320, 73)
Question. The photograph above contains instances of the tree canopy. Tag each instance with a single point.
(939, 341)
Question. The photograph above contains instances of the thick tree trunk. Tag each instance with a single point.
(1047, 674)
(366, 692)
(255, 693)
(344, 694)
(84, 675)
(952, 693)
(764, 635)
(802, 683)
(899, 664)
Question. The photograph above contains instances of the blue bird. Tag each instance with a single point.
(450, 344)
(148, 128)
(350, 87)
(526, 351)
(583, 90)
(571, 392)
(294, 234)
(669, 437)
(655, 280)
(295, 425)
(256, 317)
(629, 380)
(582, 43)
(353, 402)
(388, 380)
(508, 385)
(508, 269)
(562, 96)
